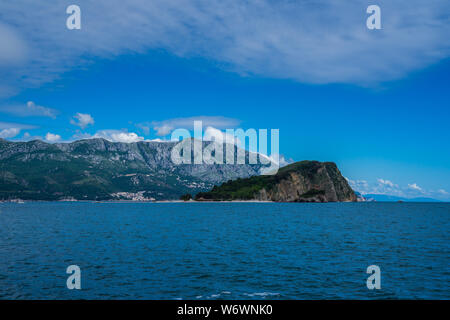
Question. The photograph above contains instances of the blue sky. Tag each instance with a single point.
(377, 104)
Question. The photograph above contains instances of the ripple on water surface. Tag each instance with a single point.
(224, 250)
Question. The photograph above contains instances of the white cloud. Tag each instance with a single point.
(280, 161)
(30, 109)
(163, 130)
(381, 186)
(214, 134)
(387, 183)
(414, 186)
(158, 140)
(285, 162)
(7, 125)
(126, 137)
(9, 133)
(118, 136)
(387, 187)
(318, 41)
(28, 137)
(81, 136)
(12, 48)
(145, 127)
(82, 120)
(165, 127)
(50, 137)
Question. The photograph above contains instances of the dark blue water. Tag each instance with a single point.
(224, 250)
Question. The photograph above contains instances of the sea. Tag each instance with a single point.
(224, 250)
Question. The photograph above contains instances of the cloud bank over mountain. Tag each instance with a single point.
(165, 127)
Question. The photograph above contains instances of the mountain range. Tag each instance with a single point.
(97, 169)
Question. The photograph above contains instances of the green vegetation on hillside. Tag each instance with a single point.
(186, 197)
(246, 189)
(85, 170)
(305, 181)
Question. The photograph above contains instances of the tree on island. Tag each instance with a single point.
(186, 197)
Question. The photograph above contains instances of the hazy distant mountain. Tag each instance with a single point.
(97, 169)
(388, 198)
(305, 181)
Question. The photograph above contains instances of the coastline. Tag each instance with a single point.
(19, 201)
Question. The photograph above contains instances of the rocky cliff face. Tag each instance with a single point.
(305, 181)
(324, 183)
(97, 169)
